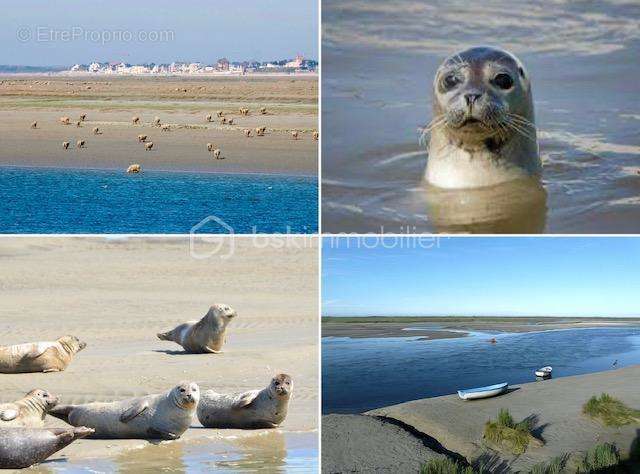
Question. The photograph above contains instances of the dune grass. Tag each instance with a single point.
(610, 411)
(447, 466)
(505, 432)
(601, 458)
(555, 466)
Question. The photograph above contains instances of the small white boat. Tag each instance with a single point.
(544, 372)
(483, 392)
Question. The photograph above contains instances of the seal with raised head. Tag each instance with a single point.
(24, 447)
(483, 128)
(50, 356)
(162, 416)
(266, 408)
(206, 335)
(29, 411)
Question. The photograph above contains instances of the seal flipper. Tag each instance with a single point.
(157, 434)
(211, 351)
(8, 414)
(62, 412)
(133, 411)
(244, 399)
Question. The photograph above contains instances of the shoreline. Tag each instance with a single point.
(274, 174)
(453, 427)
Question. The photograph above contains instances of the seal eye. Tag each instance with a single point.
(503, 81)
(182, 390)
(450, 81)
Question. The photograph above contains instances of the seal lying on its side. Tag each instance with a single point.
(51, 356)
(206, 335)
(28, 412)
(24, 447)
(163, 416)
(483, 129)
(266, 408)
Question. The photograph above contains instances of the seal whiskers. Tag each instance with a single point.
(483, 128)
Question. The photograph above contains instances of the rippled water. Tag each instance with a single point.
(363, 374)
(271, 452)
(35, 200)
(379, 59)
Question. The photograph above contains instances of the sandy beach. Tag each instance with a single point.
(452, 327)
(117, 293)
(181, 103)
(453, 426)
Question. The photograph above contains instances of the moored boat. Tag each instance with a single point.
(544, 372)
(483, 392)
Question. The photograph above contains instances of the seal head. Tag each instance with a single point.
(186, 395)
(281, 386)
(483, 112)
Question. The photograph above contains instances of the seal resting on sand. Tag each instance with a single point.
(206, 335)
(163, 416)
(483, 130)
(29, 411)
(24, 447)
(266, 408)
(39, 356)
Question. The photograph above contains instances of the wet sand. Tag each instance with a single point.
(116, 294)
(446, 328)
(110, 104)
(453, 425)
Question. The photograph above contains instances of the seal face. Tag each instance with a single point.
(483, 128)
(162, 416)
(266, 408)
(206, 335)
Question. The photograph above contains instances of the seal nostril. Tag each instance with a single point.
(471, 98)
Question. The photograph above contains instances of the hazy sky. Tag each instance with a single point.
(35, 32)
(538, 276)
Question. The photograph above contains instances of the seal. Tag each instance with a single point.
(52, 356)
(29, 411)
(266, 408)
(162, 416)
(24, 447)
(483, 129)
(206, 335)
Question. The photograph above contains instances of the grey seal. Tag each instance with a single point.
(50, 356)
(163, 416)
(24, 447)
(206, 335)
(29, 411)
(483, 130)
(266, 408)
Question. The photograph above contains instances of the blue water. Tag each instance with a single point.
(363, 374)
(36, 200)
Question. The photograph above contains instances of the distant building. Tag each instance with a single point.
(296, 63)
(94, 67)
(222, 64)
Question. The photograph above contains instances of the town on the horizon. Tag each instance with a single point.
(221, 67)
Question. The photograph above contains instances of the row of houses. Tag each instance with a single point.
(223, 65)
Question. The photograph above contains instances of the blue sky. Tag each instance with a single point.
(199, 30)
(510, 276)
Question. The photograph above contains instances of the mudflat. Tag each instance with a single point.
(181, 104)
(451, 327)
(117, 293)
